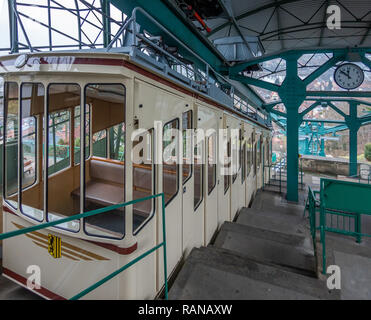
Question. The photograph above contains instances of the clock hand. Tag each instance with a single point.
(347, 74)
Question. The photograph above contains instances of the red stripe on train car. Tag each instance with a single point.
(43, 291)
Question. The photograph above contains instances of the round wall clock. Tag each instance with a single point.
(349, 76)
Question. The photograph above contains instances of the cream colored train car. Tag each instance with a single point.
(87, 165)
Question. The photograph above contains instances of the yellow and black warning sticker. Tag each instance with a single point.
(54, 246)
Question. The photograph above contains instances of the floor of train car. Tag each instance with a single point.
(113, 220)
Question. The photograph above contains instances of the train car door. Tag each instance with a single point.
(208, 122)
(158, 108)
(250, 187)
(192, 220)
(224, 178)
(236, 134)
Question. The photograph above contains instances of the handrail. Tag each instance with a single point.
(345, 214)
(99, 211)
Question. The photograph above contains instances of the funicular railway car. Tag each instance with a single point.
(69, 122)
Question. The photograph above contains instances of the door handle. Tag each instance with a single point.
(184, 189)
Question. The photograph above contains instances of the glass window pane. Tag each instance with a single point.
(63, 180)
(11, 143)
(77, 133)
(100, 144)
(117, 142)
(249, 157)
(187, 145)
(243, 162)
(59, 141)
(227, 166)
(211, 163)
(32, 111)
(143, 180)
(198, 174)
(105, 178)
(170, 167)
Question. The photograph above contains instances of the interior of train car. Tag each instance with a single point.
(104, 121)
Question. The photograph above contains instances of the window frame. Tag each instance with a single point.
(82, 146)
(229, 143)
(195, 207)
(191, 164)
(153, 211)
(46, 170)
(214, 164)
(176, 165)
(38, 120)
(5, 115)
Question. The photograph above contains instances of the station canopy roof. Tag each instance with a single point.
(284, 24)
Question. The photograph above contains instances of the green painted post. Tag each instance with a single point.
(353, 125)
(105, 5)
(292, 154)
(13, 27)
(322, 149)
(292, 93)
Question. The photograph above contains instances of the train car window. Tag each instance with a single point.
(10, 171)
(227, 165)
(187, 145)
(198, 174)
(63, 179)
(143, 180)
(243, 162)
(170, 183)
(32, 110)
(100, 144)
(105, 178)
(254, 158)
(259, 153)
(235, 153)
(211, 163)
(240, 149)
(77, 133)
(249, 157)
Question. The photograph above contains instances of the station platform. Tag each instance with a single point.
(267, 254)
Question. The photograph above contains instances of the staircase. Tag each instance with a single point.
(267, 253)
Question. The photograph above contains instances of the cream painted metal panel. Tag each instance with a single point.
(208, 120)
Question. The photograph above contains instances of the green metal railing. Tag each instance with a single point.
(280, 173)
(96, 212)
(312, 206)
(364, 173)
(341, 207)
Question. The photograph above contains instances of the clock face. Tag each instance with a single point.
(349, 76)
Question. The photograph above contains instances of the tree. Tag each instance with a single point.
(368, 151)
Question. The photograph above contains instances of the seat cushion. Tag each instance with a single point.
(103, 170)
(100, 193)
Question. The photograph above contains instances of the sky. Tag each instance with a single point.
(61, 20)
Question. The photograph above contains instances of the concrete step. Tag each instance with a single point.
(213, 273)
(272, 220)
(268, 201)
(291, 251)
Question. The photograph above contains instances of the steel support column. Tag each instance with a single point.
(13, 27)
(292, 93)
(353, 125)
(105, 6)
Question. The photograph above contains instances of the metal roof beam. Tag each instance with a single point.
(252, 12)
(228, 10)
